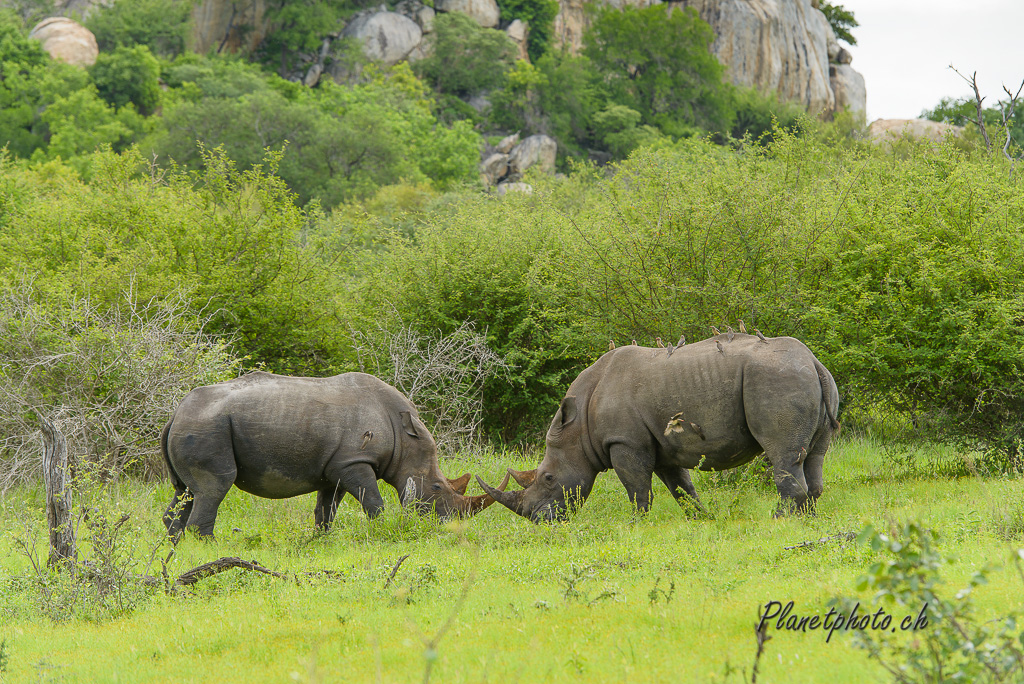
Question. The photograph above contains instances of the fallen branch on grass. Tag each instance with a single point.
(220, 565)
(394, 571)
(841, 536)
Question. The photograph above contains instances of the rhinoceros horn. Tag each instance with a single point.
(475, 504)
(525, 478)
(510, 500)
(459, 484)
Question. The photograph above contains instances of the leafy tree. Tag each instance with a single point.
(658, 62)
(128, 74)
(299, 27)
(160, 25)
(617, 126)
(339, 142)
(539, 16)
(841, 20)
(467, 58)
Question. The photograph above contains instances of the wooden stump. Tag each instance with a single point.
(58, 494)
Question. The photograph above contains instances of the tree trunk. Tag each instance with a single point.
(58, 494)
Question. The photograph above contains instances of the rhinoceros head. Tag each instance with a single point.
(561, 482)
(423, 486)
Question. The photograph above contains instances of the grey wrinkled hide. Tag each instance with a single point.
(730, 406)
(276, 437)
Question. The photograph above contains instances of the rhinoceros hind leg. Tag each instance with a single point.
(327, 501)
(359, 480)
(178, 511)
(635, 468)
(790, 481)
(678, 482)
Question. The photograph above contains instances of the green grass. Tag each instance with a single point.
(563, 602)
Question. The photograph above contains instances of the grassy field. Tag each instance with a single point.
(603, 597)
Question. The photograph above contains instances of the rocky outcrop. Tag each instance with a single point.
(537, 150)
(848, 88)
(227, 26)
(506, 163)
(484, 12)
(785, 46)
(881, 130)
(517, 32)
(388, 37)
(66, 40)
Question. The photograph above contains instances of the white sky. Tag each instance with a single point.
(904, 49)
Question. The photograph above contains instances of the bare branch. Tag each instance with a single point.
(978, 99)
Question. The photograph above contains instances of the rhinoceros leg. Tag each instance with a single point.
(177, 512)
(327, 501)
(790, 481)
(207, 501)
(359, 480)
(678, 482)
(635, 467)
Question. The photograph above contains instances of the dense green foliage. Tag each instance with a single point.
(339, 141)
(539, 16)
(160, 25)
(128, 75)
(466, 58)
(658, 63)
(298, 27)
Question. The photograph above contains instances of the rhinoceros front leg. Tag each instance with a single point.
(359, 480)
(678, 482)
(635, 468)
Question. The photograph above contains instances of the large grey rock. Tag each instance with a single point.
(484, 12)
(922, 129)
(848, 88)
(537, 150)
(386, 36)
(507, 143)
(418, 12)
(66, 40)
(227, 25)
(517, 31)
(494, 168)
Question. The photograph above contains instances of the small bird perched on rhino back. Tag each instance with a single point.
(682, 341)
(720, 347)
(611, 345)
(657, 342)
(730, 332)
(669, 346)
(716, 330)
(760, 336)
(634, 343)
(743, 328)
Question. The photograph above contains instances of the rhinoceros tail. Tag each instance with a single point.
(175, 480)
(828, 383)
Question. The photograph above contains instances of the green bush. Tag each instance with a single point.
(160, 25)
(339, 142)
(467, 59)
(128, 75)
(658, 62)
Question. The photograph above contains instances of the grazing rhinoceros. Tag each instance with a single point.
(276, 436)
(711, 405)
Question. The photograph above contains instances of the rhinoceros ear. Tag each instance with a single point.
(408, 425)
(409, 495)
(568, 410)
